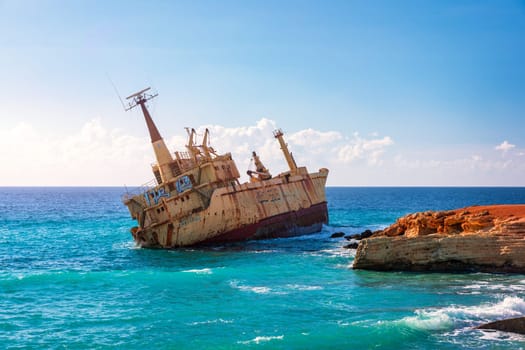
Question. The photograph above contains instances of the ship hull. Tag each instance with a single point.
(280, 207)
(290, 224)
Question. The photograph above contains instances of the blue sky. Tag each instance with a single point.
(416, 90)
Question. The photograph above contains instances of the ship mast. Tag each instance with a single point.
(284, 147)
(162, 153)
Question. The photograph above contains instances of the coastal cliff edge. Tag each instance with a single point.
(478, 238)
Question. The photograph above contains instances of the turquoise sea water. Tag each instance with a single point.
(70, 277)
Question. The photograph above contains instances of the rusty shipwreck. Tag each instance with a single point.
(196, 197)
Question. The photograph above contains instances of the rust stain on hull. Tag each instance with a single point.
(288, 224)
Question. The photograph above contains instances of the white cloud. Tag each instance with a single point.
(453, 166)
(97, 155)
(241, 141)
(313, 138)
(359, 148)
(474, 162)
(505, 146)
(312, 148)
(91, 156)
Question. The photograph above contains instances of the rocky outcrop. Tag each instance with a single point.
(359, 236)
(514, 325)
(337, 235)
(479, 238)
(352, 245)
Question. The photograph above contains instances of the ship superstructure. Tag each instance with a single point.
(196, 197)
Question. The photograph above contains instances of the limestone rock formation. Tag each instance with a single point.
(478, 238)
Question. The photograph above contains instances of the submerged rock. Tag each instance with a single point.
(479, 238)
(337, 234)
(514, 325)
(359, 236)
(353, 245)
(366, 234)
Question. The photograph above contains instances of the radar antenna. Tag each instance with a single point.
(139, 98)
(164, 158)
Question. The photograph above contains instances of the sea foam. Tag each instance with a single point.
(214, 321)
(205, 271)
(302, 287)
(445, 318)
(261, 339)
(254, 289)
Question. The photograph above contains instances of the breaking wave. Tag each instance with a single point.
(279, 290)
(258, 340)
(464, 316)
(205, 271)
(215, 321)
(477, 288)
(302, 287)
(254, 289)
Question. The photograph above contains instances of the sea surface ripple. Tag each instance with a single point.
(71, 277)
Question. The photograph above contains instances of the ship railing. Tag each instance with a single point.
(184, 155)
(130, 193)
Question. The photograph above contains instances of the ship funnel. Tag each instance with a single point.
(159, 147)
(284, 147)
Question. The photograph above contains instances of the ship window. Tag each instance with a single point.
(175, 170)
(188, 198)
(157, 176)
(223, 167)
(158, 210)
(182, 199)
